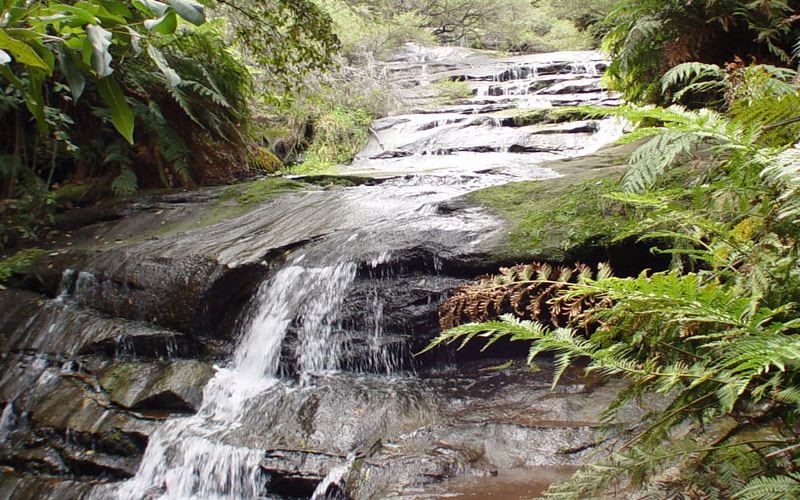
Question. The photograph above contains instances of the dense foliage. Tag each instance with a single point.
(140, 94)
(648, 37)
(517, 25)
(716, 336)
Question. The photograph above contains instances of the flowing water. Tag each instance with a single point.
(295, 346)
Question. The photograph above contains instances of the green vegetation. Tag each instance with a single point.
(523, 118)
(146, 94)
(518, 25)
(716, 335)
(18, 262)
(648, 37)
(550, 218)
(336, 136)
(448, 91)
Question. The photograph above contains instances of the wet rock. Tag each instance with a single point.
(19, 487)
(407, 434)
(297, 473)
(61, 330)
(176, 386)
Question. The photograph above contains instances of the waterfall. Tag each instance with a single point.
(6, 421)
(313, 379)
(188, 458)
(331, 484)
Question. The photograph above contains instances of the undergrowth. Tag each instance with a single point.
(18, 262)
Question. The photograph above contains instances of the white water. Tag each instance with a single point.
(335, 476)
(7, 421)
(187, 458)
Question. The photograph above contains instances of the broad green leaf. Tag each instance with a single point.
(101, 57)
(45, 53)
(121, 114)
(22, 52)
(92, 7)
(34, 99)
(110, 19)
(33, 96)
(165, 24)
(191, 11)
(83, 15)
(14, 15)
(170, 74)
(116, 8)
(4, 57)
(74, 75)
(23, 35)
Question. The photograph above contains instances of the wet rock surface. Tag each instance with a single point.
(109, 344)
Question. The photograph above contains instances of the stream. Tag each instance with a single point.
(308, 387)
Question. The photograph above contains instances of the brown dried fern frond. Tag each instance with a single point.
(529, 291)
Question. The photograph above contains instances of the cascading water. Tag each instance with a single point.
(6, 420)
(309, 377)
(187, 458)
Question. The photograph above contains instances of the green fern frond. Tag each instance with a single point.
(125, 183)
(771, 488)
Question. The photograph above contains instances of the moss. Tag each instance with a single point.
(234, 201)
(550, 218)
(18, 263)
(264, 189)
(263, 160)
(70, 195)
(337, 180)
(545, 116)
(448, 91)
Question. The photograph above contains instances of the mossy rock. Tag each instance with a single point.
(559, 219)
(20, 262)
(70, 195)
(176, 386)
(549, 219)
(545, 116)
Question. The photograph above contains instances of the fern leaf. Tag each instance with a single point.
(125, 183)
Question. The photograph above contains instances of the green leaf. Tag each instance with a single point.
(74, 75)
(170, 74)
(22, 52)
(34, 98)
(191, 11)
(83, 16)
(45, 53)
(121, 114)
(165, 24)
(116, 8)
(100, 39)
(125, 183)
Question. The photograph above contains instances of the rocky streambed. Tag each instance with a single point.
(180, 345)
